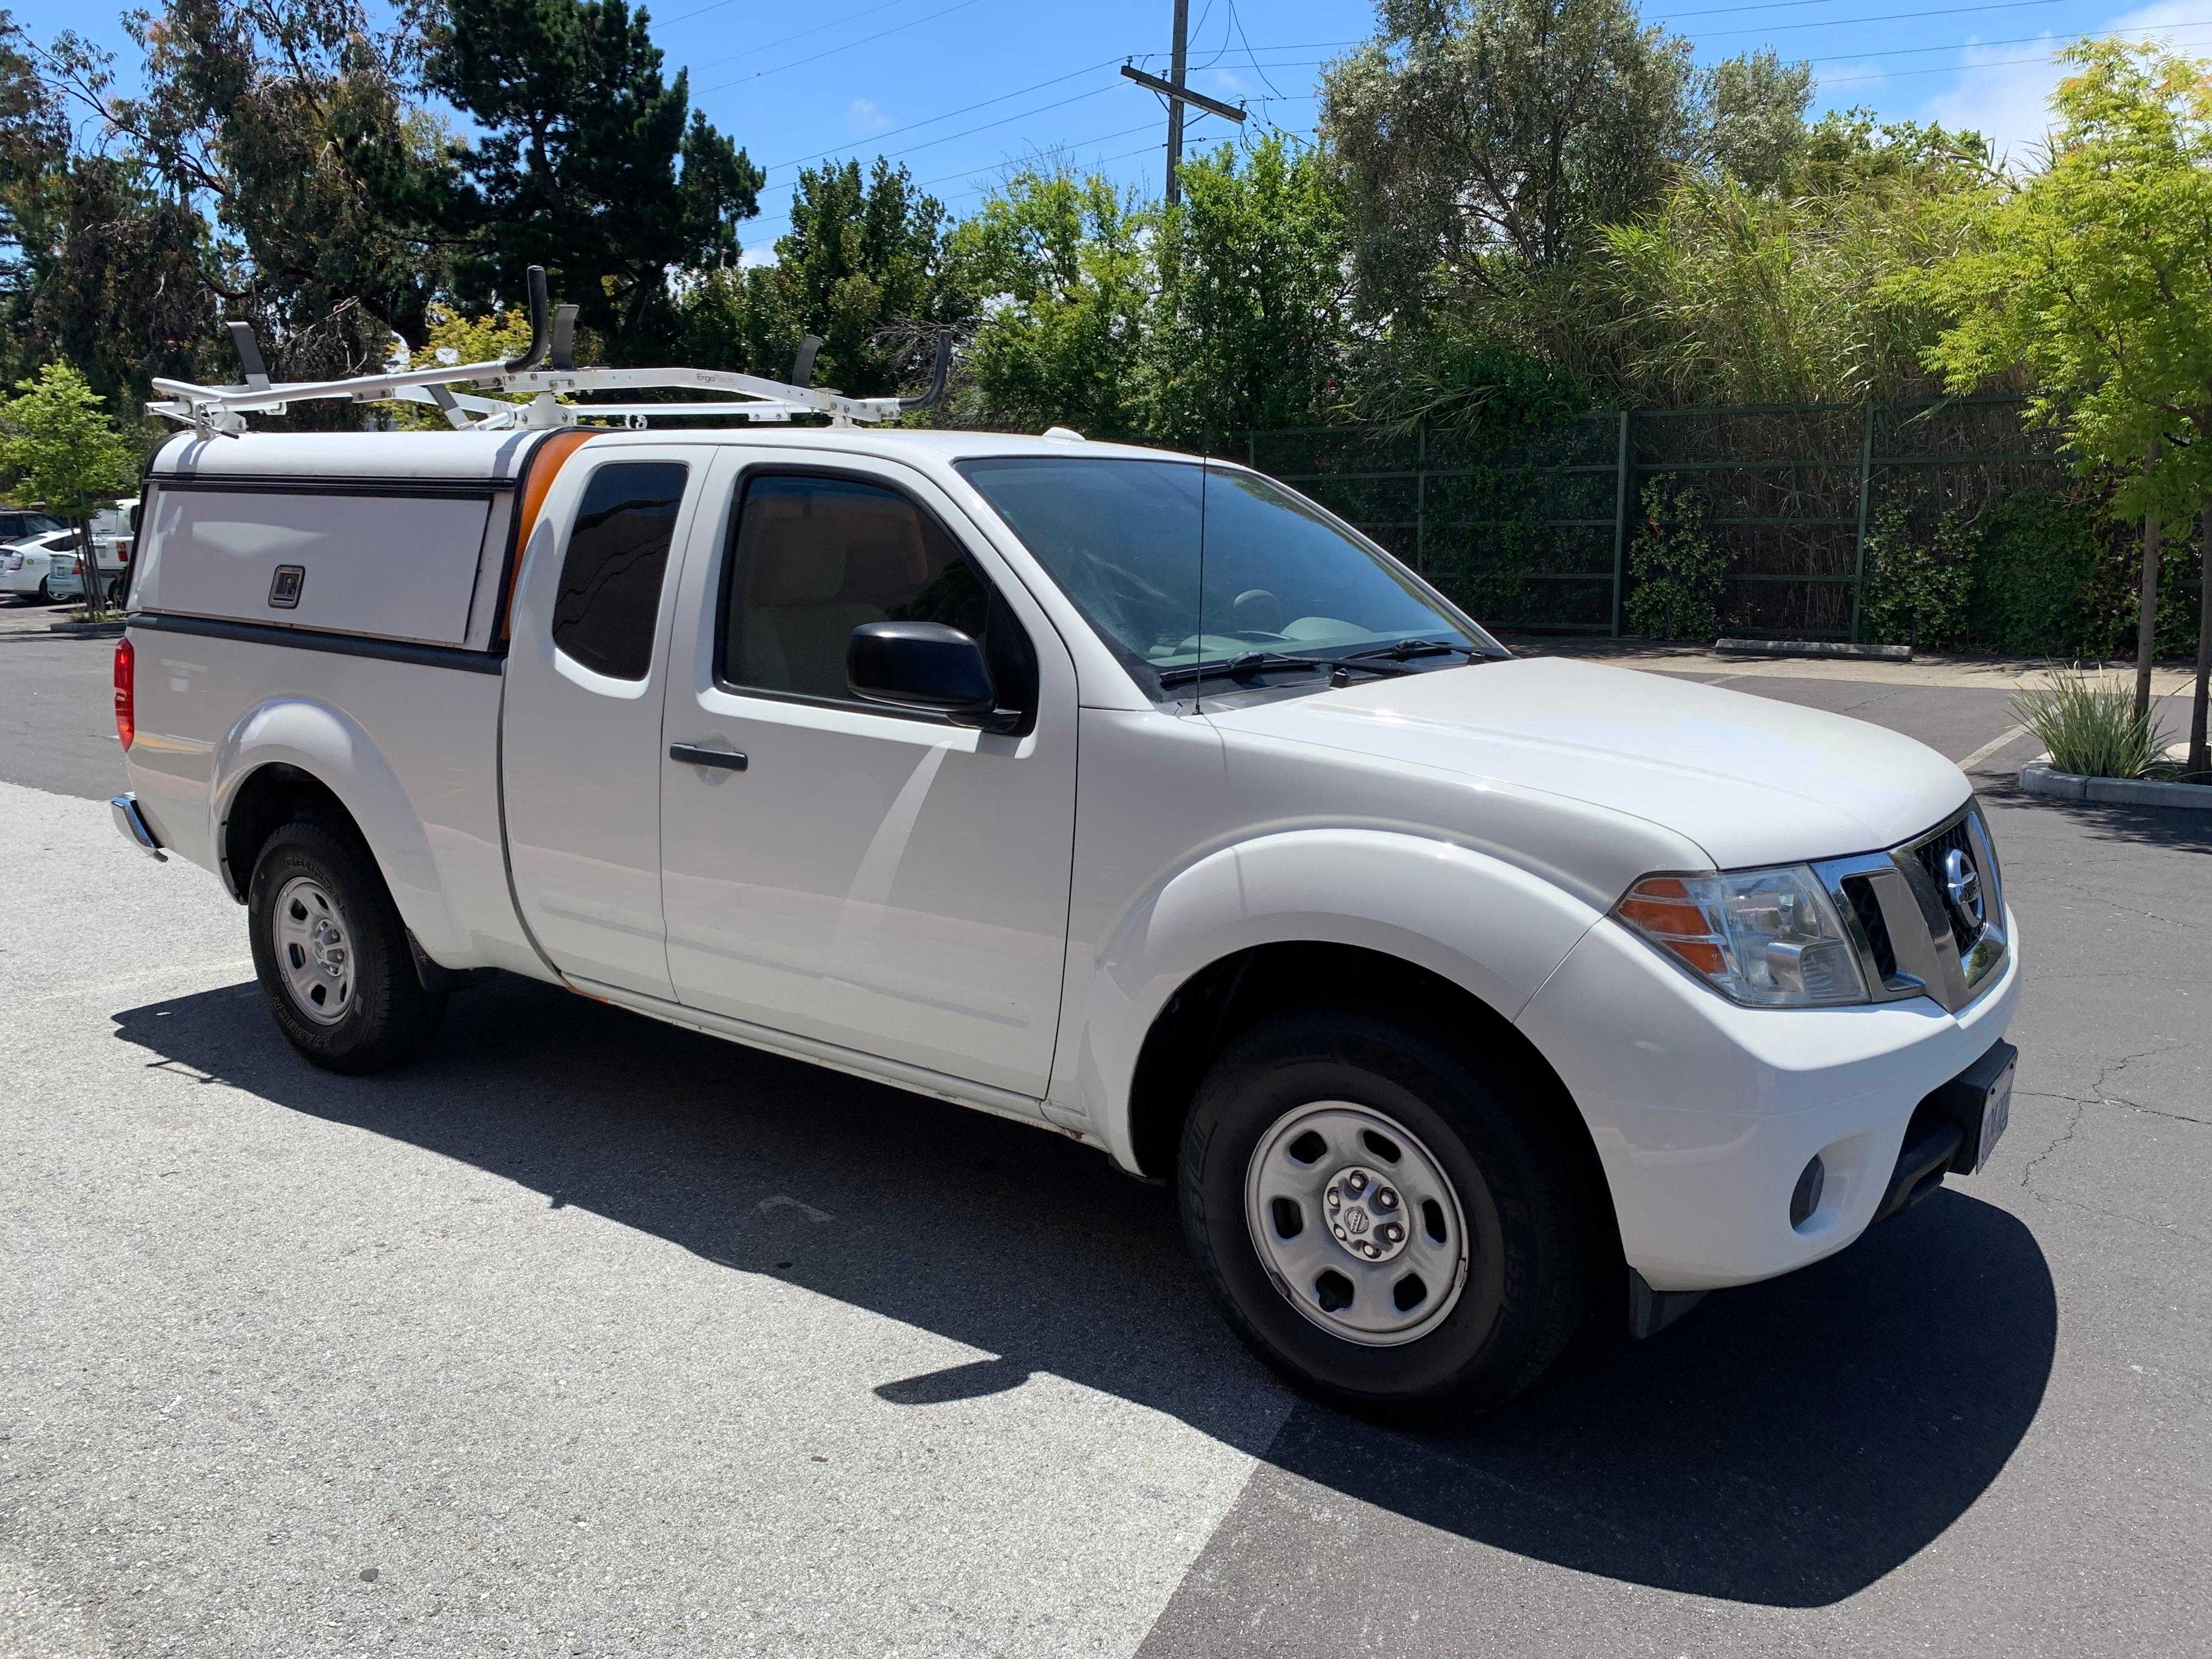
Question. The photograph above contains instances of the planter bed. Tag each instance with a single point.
(2040, 777)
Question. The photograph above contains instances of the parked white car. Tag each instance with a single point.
(1465, 999)
(113, 535)
(43, 566)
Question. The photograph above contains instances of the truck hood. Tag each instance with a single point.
(1749, 780)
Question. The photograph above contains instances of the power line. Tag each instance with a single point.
(1077, 143)
(1094, 164)
(972, 172)
(782, 40)
(1968, 45)
(831, 51)
(2056, 41)
(968, 132)
(1885, 17)
(1724, 34)
(701, 11)
(1251, 52)
(964, 109)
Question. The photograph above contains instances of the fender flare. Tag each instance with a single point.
(1490, 927)
(334, 750)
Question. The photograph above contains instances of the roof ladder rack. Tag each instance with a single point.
(483, 397)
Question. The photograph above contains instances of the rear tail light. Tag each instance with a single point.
(126, 696)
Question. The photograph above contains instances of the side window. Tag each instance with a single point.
(609, 594)
(816, 558)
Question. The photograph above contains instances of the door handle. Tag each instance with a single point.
(696, 754)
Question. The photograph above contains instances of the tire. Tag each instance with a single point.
(1497, 1216)
(333, 956)
(46, 595)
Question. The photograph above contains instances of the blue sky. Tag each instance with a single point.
(962, 90)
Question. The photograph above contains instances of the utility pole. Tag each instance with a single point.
(1180, 52)
(1177, 96)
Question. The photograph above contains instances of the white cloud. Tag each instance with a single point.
(863, 117)
(2009, 102)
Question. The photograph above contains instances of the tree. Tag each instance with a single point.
(1727, 293)
(455, 338)
(287, 123)
(2095, 273)
(1754, 125)
(56, 437)
(99, 264)
(1061, 270)
(864, 254)
(1250, 324)
(1483, 140)
(589, 164)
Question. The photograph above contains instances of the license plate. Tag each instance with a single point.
(1996, 1113)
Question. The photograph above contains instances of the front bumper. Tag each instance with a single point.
(1705, 1114)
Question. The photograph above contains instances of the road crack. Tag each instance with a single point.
(2097, 1097)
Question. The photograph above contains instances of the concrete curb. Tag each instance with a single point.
(2040, 778)
(1810, 648)
(89, 631)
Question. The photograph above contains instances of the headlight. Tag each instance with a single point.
(1768, 938)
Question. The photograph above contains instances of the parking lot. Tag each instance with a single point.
(586, 1335)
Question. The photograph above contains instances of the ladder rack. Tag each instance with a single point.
(546, 369)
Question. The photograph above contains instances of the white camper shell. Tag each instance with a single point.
(399, 536)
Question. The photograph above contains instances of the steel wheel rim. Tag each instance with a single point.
(315, 951)
(1324, 1187)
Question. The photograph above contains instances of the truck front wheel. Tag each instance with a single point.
(331, 953)
(1384, 1217)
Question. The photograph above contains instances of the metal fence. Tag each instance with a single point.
(1539, 537)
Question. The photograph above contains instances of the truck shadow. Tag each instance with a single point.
(1786, 1445)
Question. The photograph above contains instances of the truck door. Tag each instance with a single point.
(883, 880)
(581, 745)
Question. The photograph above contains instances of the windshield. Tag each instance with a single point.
(1183, 566)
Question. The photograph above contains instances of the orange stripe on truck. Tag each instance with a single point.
(539, 472)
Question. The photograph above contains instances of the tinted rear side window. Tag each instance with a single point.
(816, 558)
(618, 554)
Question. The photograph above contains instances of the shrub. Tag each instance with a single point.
(2091, 727)
(1917, 590)
(2039, 581)
(1679, 576)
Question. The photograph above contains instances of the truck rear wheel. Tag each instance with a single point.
(1383, 1218)
(331, 953)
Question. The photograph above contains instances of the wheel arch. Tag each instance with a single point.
(291, 757)
(1455, 931)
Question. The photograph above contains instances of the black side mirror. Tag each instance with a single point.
(924, 665)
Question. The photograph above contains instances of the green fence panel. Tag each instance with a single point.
(1541, 536)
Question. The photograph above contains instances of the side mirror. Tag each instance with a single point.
(923, 665)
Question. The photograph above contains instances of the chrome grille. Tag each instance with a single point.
(1951, 838)
(1911, 940)
(1859, 892)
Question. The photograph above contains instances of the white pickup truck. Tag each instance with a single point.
(1465, 1000)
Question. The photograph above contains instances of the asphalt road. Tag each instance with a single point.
(588, 1336)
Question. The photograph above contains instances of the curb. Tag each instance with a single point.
(1810, 648)
(87, 630)
(2040, 778)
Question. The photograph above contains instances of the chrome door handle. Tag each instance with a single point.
(694, 754)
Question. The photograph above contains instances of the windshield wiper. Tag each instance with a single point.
(1400, 650)
(1245, 664)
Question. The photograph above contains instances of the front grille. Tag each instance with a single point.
(1932, 853)
(1868, 909)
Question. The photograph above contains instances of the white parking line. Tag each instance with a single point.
(2010, 735)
